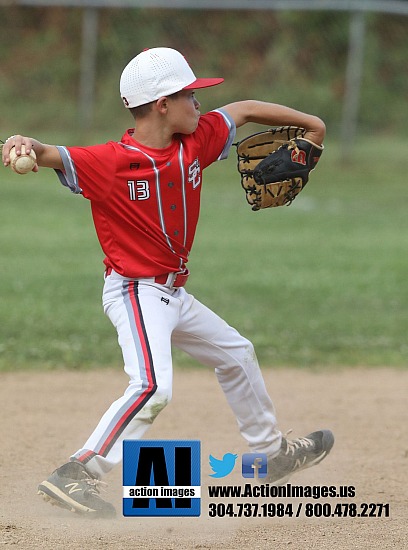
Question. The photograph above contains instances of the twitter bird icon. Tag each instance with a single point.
(223, 467)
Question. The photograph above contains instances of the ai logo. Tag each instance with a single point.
(161, 478)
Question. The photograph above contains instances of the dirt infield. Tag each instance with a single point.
(46, 416)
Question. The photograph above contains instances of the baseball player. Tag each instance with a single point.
(145, 197)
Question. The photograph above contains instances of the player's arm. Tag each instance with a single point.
(47, 155)
(272, 114)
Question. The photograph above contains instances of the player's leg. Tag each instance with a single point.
(144, 318)
(209, 339)
(205, 336)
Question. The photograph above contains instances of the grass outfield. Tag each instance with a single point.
(321, 283)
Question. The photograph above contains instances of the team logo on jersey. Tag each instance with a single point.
(194, 173)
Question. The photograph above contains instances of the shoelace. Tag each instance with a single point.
(96, 484)
(294, 444)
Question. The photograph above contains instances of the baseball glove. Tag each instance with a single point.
(275, 165)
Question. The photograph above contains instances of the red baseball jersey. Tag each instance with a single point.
(145, 202)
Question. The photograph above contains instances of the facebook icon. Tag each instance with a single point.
(254, 465)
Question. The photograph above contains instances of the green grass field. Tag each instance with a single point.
(321, 283)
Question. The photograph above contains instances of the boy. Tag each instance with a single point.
(145, 199)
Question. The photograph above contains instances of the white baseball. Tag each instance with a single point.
(23, 163)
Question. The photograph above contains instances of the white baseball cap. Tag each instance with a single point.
(158, 72)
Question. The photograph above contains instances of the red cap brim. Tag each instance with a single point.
(204, 83)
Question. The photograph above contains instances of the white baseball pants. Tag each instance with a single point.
(149, 319)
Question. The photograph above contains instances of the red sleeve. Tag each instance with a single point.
(214, 134)
(89, 170)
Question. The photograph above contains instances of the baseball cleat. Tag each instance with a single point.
(298, 454)
(72, 487)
